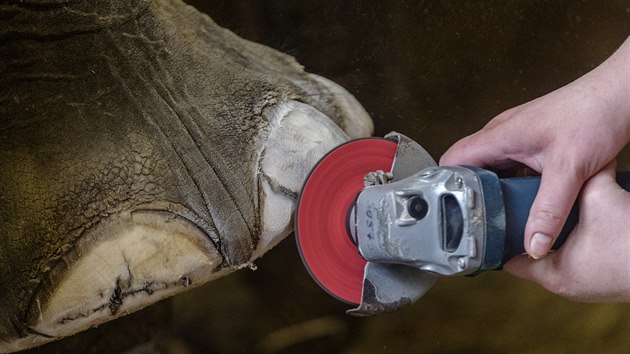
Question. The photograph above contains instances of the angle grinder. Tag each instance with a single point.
(378, 222)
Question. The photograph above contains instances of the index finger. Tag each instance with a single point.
(481, 149)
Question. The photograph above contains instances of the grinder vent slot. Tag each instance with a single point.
(452, 223)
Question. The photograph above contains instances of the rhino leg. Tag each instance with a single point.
(144, 150)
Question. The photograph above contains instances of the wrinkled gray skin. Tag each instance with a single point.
(143, 150)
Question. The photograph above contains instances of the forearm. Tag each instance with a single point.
(610, 82)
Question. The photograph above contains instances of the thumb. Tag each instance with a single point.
(554, 200)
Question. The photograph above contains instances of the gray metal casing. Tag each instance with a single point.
(387, 233)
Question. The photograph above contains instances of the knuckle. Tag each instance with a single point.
(548, 217)
(566, 283)
(563, 286)
(505, 115)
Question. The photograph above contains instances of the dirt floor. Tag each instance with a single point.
(435, 71)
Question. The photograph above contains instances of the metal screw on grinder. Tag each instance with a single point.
(461, 262)
(459, 182)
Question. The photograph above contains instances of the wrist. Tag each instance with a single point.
(611, 80)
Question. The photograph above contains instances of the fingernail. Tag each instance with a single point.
(540, 245)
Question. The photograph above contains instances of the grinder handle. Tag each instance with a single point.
(518, 196)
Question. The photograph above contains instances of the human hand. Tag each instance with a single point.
(567, 135)
(593, 265)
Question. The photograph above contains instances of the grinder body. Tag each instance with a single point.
(455, 220)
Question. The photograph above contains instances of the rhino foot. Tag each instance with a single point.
(143, 151)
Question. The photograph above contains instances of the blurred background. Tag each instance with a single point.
(435, 71)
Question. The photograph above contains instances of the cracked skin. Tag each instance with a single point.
(141, 138)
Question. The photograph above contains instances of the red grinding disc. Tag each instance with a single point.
(321, 215)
